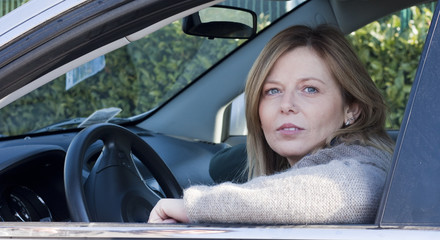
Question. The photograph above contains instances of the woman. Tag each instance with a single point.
(317, 149)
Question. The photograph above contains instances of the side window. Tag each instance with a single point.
(390, 48)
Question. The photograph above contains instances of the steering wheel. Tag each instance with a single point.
(114, 191)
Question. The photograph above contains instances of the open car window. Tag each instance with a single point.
(390, 48)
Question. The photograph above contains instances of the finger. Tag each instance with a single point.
(157, 214)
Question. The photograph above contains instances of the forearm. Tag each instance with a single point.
(310, 195)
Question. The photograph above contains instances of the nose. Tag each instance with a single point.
(288, 103)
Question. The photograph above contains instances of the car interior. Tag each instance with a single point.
(192, 132)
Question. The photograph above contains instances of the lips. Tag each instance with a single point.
(288, 127)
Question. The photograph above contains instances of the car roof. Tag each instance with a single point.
(30, 15)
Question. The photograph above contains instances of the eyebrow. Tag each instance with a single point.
(312, 79)
(305, 79)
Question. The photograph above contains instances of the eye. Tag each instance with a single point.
(310, 90)
(272, 91)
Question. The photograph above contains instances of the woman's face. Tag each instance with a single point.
(301, 104)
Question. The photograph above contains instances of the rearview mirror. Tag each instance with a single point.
(221, 22)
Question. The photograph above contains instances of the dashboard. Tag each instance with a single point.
(31, 184)
(32, 171)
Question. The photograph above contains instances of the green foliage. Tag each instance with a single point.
(167, 60)
(9, 5)
(136, 78)
(390, 49)
(145, 73)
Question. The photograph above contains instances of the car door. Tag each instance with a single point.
(413, 195)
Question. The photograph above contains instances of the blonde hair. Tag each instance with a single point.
(345, 67)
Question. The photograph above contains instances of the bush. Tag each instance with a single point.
(390, 49)
(136, 78)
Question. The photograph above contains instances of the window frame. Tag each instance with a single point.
(411, 190)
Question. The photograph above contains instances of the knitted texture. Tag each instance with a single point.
(342, 184)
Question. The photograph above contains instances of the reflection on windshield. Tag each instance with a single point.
(135, 78)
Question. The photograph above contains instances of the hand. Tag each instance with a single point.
(169, 211)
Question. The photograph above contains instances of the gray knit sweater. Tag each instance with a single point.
(342, 184)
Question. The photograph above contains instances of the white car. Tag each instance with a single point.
(106, 106)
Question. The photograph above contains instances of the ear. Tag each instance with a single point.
(352, 113)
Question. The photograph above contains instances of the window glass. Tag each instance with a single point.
(390, 49)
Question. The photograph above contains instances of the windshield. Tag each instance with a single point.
(130, 81)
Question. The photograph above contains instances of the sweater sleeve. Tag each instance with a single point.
(341, 191)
